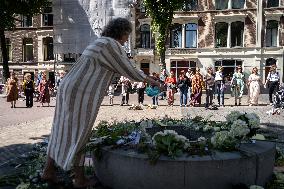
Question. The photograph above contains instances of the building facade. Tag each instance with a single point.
(30, 45)
(212, 33)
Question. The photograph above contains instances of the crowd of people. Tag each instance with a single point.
(191, 83)
(41, 88)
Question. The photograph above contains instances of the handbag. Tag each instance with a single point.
(152, 91)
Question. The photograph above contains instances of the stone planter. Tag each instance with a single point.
(127, 169)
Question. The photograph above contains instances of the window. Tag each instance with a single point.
(221, 33)
(271, 33)
(190, 35)
(142, 7)
(9, 50)
(28, 49)
(238, 4)
(145, 36)
(221, 4)
(47, 17)
(229, 67)
(48, 49)
(176, 36)
(178, 66)
(145, 67)
(70, 57)
(237, 33)
(272, 3)
(26, 21)
(190, 5)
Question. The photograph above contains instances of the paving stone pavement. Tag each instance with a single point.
(21, 127)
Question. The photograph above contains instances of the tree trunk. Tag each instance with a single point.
(6, 73)
(163, 59)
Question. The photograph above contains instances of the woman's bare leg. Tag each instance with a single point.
(49, 172)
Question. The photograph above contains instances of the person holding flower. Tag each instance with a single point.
(80, 96)
(254, 87)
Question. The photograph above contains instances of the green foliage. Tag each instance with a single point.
(168, 145)
(10, 9)
(161, 12)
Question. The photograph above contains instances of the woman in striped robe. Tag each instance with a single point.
(80, 95)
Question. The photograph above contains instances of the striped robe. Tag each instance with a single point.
(80, 95)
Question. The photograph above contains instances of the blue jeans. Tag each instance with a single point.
(183, 96)
(155, 100)
(220, 94)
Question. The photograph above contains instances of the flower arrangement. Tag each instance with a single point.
(169, 143)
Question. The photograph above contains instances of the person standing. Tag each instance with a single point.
(254, 87)
(197, 81)
(171, 88)
(272, 81)
(189, 74)
(12, 89)
(153, 85)
(140, 91)
(238, 84)
(44, 90)
(163, 77)
(125, 88)
(88, 81)
(111, 90)
(220, 85)
(29, 90)
(183, 84)
(209, 85)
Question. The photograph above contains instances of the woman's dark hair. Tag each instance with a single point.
(117, 28)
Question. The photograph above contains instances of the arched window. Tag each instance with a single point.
(191, 35)
(145, 36)
(271, 33)
(221, 33)
(237, 34)
(176, 36)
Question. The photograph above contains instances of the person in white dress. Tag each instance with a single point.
(80, 95)
(254, 87)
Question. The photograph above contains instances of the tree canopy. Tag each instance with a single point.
(161, 12)
(9, 9)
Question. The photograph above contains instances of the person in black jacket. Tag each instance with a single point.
(183, 84)
(29, 90)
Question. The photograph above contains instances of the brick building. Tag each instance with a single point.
(30, 45)
(217, 33)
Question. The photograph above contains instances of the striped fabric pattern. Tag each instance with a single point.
(80, 95)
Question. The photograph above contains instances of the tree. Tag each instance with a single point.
(162, 12)
(9, 9)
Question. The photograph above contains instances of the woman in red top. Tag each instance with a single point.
(171, 88)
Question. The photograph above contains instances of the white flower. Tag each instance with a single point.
(255, 187)
(219, 138)
(239, 128)
(233, 116)
(253, 119)
(202, 140)
(186, 145)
